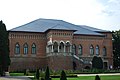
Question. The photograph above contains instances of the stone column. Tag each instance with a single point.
(70, 48)
(58, 49)
(64, 48)
(52, 48)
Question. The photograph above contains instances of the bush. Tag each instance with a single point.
(47, 74)
(37, 74)
(97, 77)
(97, 63)
(27, 72)
(42, 78)
(63, 75)
(2, 73)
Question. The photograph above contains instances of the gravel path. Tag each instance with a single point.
(15, 78)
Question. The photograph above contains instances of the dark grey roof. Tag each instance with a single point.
(93, 29)
(42, 25)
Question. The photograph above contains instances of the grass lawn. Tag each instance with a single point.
(115, 77)
(21, 74)
(16, 74)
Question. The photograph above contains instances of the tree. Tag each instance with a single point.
(97, 77)
(97, 63)
(37, 74)
(47, 74)
(4, 49)
(63, 76)
(116, 49)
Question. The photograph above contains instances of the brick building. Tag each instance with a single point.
(58, 44)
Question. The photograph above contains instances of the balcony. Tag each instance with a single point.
(59, 54)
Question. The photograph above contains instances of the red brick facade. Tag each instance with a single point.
(54, 60)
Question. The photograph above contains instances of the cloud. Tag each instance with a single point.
(111, 8)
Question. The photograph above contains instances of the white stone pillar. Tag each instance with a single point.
(58, 49)
(47, 49)
(70, 48)
(64, 48)
(52, 48)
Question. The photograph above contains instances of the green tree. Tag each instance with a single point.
(37, 74)
(97, 77)
(47, 74)
(97, 63)
(116, 49)
(63, 76)
(4, 49)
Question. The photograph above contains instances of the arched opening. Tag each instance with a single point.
(67, 47)
(55, 47)
(25, 48)
(87, 67)
(33, 48)
(104, 51)
(61, 47)
(80, 50)
(91, 50)
(97, 50)
(17, 48)
(74, 49)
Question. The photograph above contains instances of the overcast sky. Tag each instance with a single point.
(102, 14)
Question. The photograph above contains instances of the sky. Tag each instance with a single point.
(102, 14)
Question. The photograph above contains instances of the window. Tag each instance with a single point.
(25, 48)
(33, 48)
(61, 47)
(91, 50)
(104, 51)
(80, 50)
(74, 49)
(68, 47)
(97, 50)
(55, 47)
(17, 48)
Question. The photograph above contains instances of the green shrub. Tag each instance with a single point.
(97, 63)
(63, 76)
(47, 74)
(42, 78)
(97, 77)
(37, 74)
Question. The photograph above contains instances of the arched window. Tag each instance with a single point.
(17, 48)
(104, 51)
(91, 50)
(25, 48)
(61, 47)
(68, 47)
(74, 49)
(33, 48)
(80, 50)
(55, 47)
(97, 50)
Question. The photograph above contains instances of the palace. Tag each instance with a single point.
(59, 45)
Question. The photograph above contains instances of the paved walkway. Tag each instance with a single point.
(15, 78)
(111, 74)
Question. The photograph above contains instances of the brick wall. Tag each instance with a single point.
(55, 62)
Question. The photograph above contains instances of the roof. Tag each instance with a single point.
(93, 29)
(42, 25)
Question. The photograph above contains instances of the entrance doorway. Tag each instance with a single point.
(105, 65)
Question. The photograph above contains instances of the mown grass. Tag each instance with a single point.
(115, 77)
(21, 74)
(16, 74)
